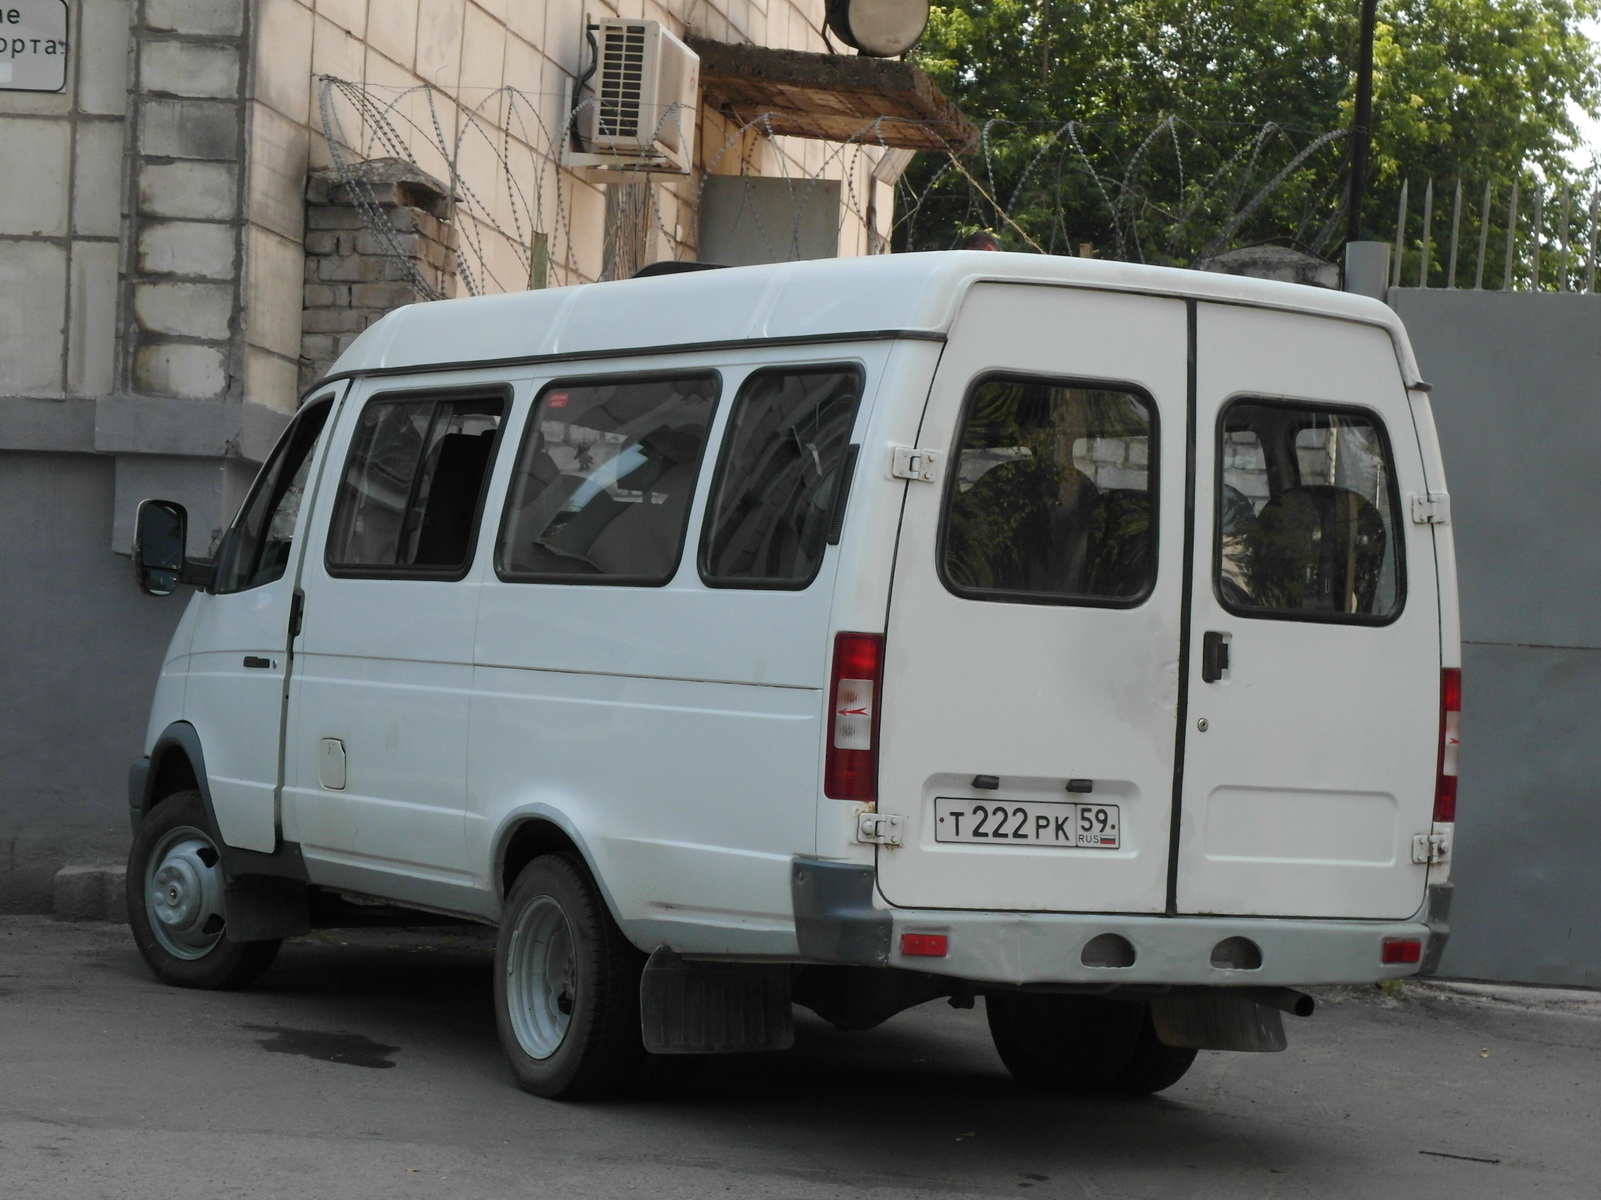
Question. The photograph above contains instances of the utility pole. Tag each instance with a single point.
(1361, 126)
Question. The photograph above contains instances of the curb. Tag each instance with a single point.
(1583, 1001)
(91, 893)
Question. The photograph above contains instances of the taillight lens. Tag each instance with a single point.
(855, 690)
(1399, 951)
(925, 945)
(1450, 740)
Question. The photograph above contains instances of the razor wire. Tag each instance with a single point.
(1168, 191)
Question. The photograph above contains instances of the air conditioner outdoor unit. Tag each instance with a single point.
(640, 105)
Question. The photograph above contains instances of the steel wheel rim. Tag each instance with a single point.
(541, 977)
(183, 893)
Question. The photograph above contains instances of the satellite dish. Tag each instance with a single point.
(880, 28)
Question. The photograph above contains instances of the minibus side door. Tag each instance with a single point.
(376, 754)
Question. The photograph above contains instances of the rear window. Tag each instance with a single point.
(1306, 519)
(1051, 496)
(603, 483)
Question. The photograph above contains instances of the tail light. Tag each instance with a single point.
(1398, 951)
(855, 686)
(925, 945)
(1450, 740)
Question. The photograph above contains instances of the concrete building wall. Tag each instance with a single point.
(61, 203)
(79, 656)
(470, 50)
(1517, 401)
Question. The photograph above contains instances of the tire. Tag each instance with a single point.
(175, 901)
(567, 989)
(1154, 1065)
(1067, 1045)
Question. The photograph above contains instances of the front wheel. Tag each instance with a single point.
(1082, 1045)
(566, 986)
(175, 902)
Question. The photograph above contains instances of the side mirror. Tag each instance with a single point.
(161, 531)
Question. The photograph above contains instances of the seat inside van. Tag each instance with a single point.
(1315, 548)
(1306, 512)
(1024, 526)
(457, 479)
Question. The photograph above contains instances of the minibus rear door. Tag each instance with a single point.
(1030, 671)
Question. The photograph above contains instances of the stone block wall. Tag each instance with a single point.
(188, 134)
(373, 244)
(61, 187)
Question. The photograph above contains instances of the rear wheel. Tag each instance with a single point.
(175, 901)
(1154, 1065)
(567, 992)
(1082, 1045)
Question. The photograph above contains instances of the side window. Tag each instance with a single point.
(256, 549)
(1306, 521)
(1051, 496)
(412, 489)
(603, 481)
(784, 466)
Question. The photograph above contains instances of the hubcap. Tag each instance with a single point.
(541, 977)
(183, 894)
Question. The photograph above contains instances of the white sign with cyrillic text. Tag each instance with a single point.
(33, 45)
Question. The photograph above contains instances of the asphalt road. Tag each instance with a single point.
(369, 1068)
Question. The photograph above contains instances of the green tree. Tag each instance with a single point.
(1147, 127)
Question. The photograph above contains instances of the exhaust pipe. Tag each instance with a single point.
(1297, 1004)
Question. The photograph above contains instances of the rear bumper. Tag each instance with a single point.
(839, 918)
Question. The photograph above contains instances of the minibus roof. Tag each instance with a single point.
(835, 299)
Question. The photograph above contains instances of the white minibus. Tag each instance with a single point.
(1076, 635)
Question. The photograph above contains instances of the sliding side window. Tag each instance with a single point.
(413, 487)
(780, 487)
(603, 483)
(1051, 498)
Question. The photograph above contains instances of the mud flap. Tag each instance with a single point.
(714, 1007)
(1217, 1022)
(264, 908)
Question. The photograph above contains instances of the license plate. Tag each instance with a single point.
(1026, 823)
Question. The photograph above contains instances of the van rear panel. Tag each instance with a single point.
(1164, 637)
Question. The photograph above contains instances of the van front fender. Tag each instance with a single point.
(181, 741)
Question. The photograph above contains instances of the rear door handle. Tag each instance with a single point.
(252, 661)
(1214, 656)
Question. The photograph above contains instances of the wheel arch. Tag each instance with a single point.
(177, 764)
(541, 829)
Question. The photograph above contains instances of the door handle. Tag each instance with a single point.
(1214, 656)
(252, 661)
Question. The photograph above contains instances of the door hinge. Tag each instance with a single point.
(1431, 508)
(879, 829)
(1431, 848)
(908, 462)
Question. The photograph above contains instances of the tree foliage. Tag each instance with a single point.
(1146, 127)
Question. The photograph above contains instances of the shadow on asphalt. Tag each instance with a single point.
(918, 1098)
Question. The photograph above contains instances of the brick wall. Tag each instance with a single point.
(372, 245)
